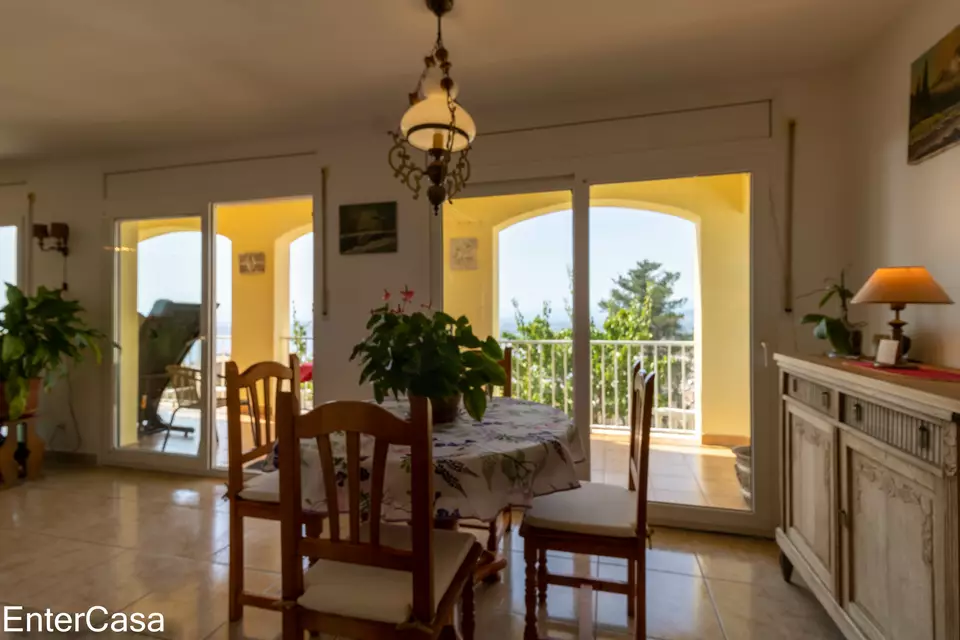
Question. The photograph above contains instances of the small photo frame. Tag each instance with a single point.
(888, 353)
(252, 263)
(368, 228)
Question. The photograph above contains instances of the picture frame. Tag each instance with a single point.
(888, 353)
(368, 228)
(935, 100)
(252, 263)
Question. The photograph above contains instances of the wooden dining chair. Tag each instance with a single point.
(252, 396)
(374, 580)
(597, 519)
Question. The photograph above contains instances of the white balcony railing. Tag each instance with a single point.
(305, 350)
(543, 372)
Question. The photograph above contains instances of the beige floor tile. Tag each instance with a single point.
(139, 541)
(770, 612)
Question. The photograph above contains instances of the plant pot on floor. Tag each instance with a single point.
(744, 468)
(445, 409)
(33, 400)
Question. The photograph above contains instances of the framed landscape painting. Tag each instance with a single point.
(368, 228)
(935, 99)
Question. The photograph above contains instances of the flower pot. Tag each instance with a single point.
(445, 409)
(33, 400)
(744, 468)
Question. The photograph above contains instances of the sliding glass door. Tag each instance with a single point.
(162, 274)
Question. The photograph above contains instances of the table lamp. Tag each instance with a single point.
(898, 287)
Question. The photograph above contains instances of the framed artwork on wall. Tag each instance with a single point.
(463, 254)
(368, 228)
(935, 99)
(252, 263)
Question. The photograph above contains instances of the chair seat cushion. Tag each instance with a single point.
(264, 487)
(382, 595)
(593, 509)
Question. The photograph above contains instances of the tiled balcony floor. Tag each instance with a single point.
(695, 475)
(133, 541)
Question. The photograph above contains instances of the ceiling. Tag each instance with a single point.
(101, 75)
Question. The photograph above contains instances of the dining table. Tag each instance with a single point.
(519, 450)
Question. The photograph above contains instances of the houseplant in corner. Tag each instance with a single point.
(844, 336)
(39, 336)
(431, 354)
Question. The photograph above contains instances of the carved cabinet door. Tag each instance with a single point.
(811, 490)
(887, 542)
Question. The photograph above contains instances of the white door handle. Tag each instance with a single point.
(766, 359)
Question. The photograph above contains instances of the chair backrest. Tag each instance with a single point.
(255, 392)
(361, 544)
(507, 364)
(641, 422)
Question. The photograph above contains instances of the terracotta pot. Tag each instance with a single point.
(445, 409)
(33, 400)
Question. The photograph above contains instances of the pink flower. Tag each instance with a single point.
(386, 295)
(406, 294)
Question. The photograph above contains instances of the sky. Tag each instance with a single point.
(534, 257)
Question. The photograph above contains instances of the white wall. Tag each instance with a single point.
(72, 192)
(907, 215)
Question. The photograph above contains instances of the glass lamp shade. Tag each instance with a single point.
(426, 125)
(902, 285)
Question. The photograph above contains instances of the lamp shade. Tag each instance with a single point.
(426, 124)
(902, 285)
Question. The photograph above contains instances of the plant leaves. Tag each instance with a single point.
(475, 402)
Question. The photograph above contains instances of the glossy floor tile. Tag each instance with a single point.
(689, 474)
(143, 542)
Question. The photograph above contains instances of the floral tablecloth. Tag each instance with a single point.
(519, 450)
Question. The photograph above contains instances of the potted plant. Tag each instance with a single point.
(844, 336)
(431, 354)
(39, 336)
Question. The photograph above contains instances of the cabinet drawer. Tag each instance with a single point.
(816, 396)
(920, 437)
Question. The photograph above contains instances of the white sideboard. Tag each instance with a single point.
(870, 507)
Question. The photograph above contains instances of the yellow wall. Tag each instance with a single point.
(260, 302)
(719, 205)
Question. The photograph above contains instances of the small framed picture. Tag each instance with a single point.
(888, 353)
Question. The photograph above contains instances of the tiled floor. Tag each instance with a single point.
(133, 541)
(696, 475)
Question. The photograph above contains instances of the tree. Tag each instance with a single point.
(665, 310)
(543, 355)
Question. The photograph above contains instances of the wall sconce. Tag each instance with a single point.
(53, 238)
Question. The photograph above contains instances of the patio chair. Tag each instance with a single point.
(597, 519)
(185, 383)
(378, 580)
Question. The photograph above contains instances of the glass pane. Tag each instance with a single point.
(507, 267)
(264, 292)
(8, 255)
(160, 388)
(670, 287)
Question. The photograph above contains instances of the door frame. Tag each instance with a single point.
(110, 453)
(758, 157)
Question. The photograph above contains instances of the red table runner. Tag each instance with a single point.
(924, 373)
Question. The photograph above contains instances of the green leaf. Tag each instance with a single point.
(492, 348)
(826, 297)
(812, 318)
(475, 402)
(13, 348)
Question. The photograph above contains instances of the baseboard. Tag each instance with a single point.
(720, 440)
(71, 457)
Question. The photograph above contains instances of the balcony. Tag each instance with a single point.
(543, 372)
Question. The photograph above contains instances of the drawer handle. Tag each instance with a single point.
(924, 436)
(844, 519)
(795, 385)
(858, 412)
(825, 399)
